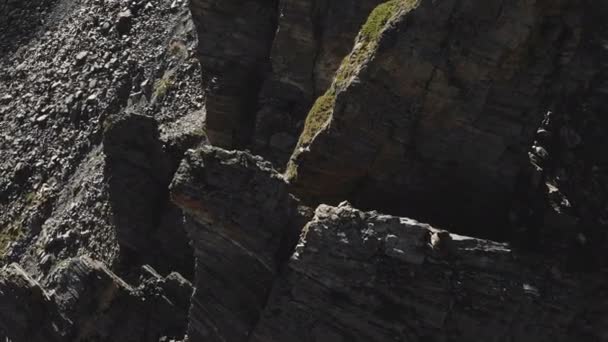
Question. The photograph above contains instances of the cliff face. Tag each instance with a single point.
(312, 39)
(440, 107)
(120, 219)
(266, 61)
(360, 276)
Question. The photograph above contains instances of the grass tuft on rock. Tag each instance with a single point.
(162, 86)
(366, 43)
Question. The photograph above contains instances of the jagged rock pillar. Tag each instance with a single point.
(235, 38)
(245, 224)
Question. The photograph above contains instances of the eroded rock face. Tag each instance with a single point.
(88, 302)
(358, 276)
(242, 55)
(235, 37)
(437, 106)
(139, 170)
(244, 222)
(313, 36)
(24, 307)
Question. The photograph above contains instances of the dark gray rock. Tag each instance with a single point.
(245, 224)
(26, 310)
(312, 38)
(428, 112)
(238, 35)
(364, 276)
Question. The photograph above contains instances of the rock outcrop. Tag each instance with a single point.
(265, 63)
(361, 276)
(313, 36)
(437, 106)
(91, 303)
(245, 224)
(119, 222)
(364, 276)
(25, 307)
(235, 37)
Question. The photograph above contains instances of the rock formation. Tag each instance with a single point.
(311, 40)
(246, 221)
(365, 276)
(127, 215)
(91, 303)
(437, 105)
(236, 36)
(360, 276)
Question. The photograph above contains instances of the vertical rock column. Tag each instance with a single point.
(243, 217)
(235, 38)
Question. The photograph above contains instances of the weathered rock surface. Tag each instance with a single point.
(361, 276)
(471, 115)
(235, 36)
(245, 223)
(242, 55)
(91, 303)
(64, 68)
(24, 307)
(313, 36)
(358, 276)
(102, 307)
(437, 105)
(138, 173)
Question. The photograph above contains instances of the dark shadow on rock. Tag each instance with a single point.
(138, 171)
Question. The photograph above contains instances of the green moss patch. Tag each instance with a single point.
(162, 86)
(317, 117)
(366, 43)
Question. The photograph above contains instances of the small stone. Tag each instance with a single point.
(81, 57)
(42, 118)
(105, 27)
(92, 99)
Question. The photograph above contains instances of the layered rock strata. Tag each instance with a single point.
(313, 36)
(364, 276)
(360, 276)
(437, 105)
(245, 224)
(88, 302)
(235, 37)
